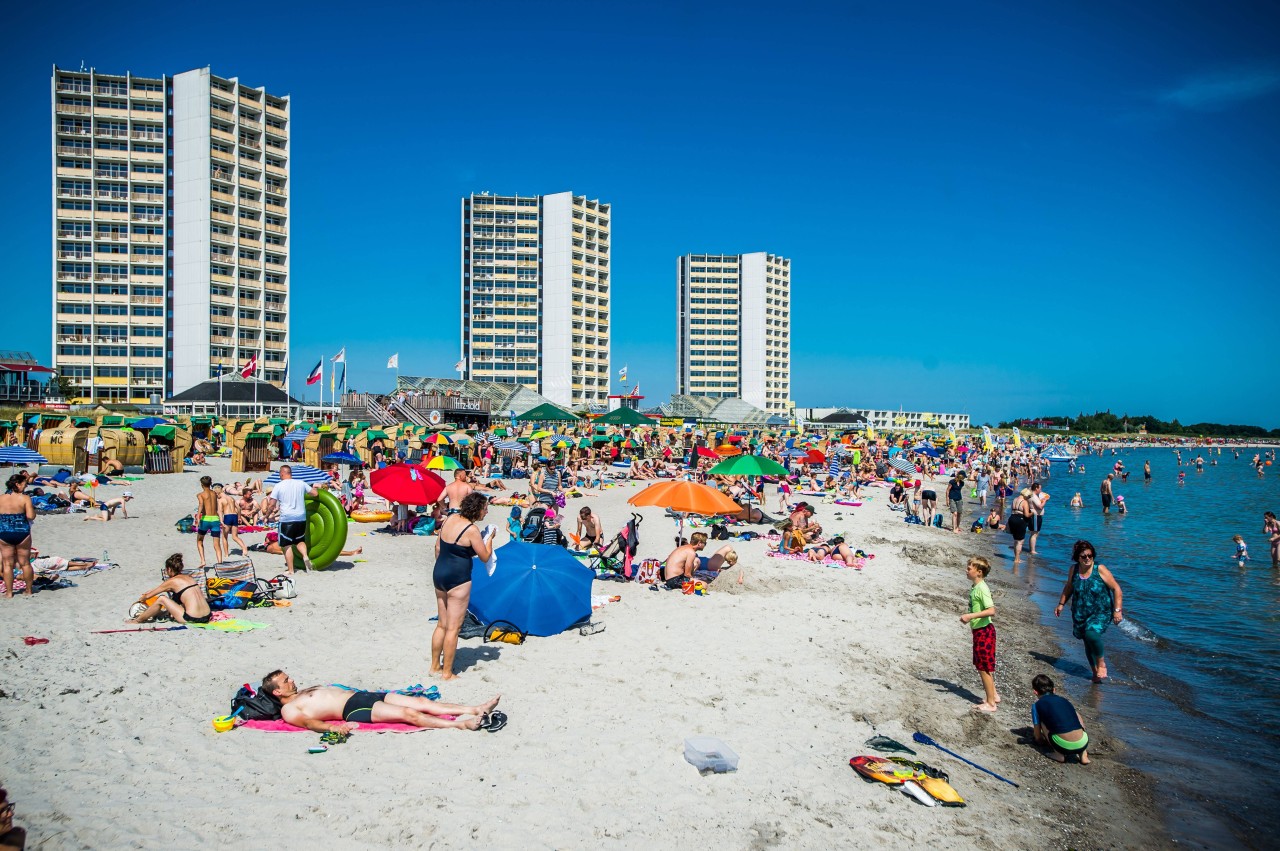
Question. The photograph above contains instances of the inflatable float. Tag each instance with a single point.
(326, 529)
(364, 516)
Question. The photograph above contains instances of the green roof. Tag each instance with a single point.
(547, 413)
(112, 420)
(624, 417)
(164, 431)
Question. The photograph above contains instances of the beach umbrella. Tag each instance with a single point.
(541, 589)
(728, 449)
(411, 484)
(795, 453)
(343, 458)
(21, 455)
(704, 452)
(926, 449)
(439, 439)
(748, 465)
(300, 434)
(538, 435)
(902, 465)
(561, 440)
(147, 423)
(443, 462)
(686, 498)
(301, 472)
(460, 437)
(510, 446)
(813, 456)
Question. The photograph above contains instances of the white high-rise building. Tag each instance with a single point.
(734, 328)
(535, 294)
(170, 232)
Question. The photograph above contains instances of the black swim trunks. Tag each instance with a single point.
(293, 532)
(359, 707)
(676, 582)
(932, 496)
(1106, 500)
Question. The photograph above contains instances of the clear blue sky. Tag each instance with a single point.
(989, 208)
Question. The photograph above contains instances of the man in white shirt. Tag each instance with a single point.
(292, 495)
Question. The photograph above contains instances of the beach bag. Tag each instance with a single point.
(279, 588)
(504, 631)
(649, 572)
(471, 627)
(937, 520)
(186, 524)
(719, 532)
(254, 705)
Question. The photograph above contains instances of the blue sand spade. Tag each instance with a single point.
(925, 740)
(540, 589)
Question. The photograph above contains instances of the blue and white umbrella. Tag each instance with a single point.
(21, 455)
(301, 472)
(511, 446)
(300, 434)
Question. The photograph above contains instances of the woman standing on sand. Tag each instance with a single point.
(1095, 604)
(16, 514)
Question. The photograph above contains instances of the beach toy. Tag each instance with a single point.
(225, 722)
(364, 516)
(925, 740)
(707, 753)
(326, 529)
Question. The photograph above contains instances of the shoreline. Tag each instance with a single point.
(791, 669)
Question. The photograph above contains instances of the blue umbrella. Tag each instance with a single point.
(147, 423)
(511, 446)
(926, 449)
(302, 473)
(541, 589)
(343, 458)
(300, 434)
(21, 455)
(795, 453)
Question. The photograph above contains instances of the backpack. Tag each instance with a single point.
(279, 588)
(719, 532)
(186, 524)
(257, 705)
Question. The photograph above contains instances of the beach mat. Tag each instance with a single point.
(280, 726)
(232, 625)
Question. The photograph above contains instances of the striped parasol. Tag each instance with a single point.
(301, 472)
(510, 446)
(21, 455)
(902, 465)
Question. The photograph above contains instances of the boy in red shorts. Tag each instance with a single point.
(981, 610)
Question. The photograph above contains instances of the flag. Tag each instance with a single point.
(333, 377)
(636, 391)
(340, 357)
(317, 372)
(622, 374)
(393, 362)
(457, 367)
(343, 382)
(251, 367)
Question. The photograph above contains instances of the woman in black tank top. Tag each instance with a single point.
(457, 543)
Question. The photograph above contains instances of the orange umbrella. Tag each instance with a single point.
(686, 498)
(728, 449)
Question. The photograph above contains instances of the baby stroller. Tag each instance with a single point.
(616, 557)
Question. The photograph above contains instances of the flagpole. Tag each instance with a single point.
(321, 388)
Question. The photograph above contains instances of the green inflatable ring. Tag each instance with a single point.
(326, 529)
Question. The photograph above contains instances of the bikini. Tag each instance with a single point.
(176, 596)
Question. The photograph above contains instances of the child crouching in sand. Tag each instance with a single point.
(981, 610)
(1056, 724)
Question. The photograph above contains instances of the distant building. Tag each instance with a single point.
(890, 420)
(734, 328)
(170, 234)
(535, 294)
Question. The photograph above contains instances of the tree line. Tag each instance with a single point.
(1106, 422)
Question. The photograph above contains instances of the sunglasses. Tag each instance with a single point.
(1086, 556)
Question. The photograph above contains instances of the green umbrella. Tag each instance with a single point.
(748, 465)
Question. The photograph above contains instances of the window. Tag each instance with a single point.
(151, 230)
(65, 204)
(154, 271)
(74, 309)
(219, 310)
(149, 250)
(147, 331)
(144, 148)
(109, 207)
(149, 168)
(108, 247)
(148, 310)
(148, 352)
(111, 371)
(111, 351)
(74, 351)
(112, 309)
(75, 288)
(75, 330)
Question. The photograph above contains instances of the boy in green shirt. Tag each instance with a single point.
(981, 609)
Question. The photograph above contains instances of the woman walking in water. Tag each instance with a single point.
(1095, 604)
(1271, 528)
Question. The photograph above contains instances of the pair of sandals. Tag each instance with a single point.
(493, 721)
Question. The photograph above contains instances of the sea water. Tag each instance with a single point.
(1194, 667)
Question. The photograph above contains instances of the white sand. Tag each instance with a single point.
(107, 742)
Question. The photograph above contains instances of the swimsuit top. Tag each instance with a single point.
(462, 554)
(177, 595)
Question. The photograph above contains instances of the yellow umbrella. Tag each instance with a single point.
(538, 435)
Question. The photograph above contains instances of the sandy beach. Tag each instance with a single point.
(108, 742)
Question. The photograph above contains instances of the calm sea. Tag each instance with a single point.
(1195, 666)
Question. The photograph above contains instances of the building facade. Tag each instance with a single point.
(884, 420)
(535, 294)
(734, 328)
(170, 232)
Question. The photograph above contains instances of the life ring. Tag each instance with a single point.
(434, 418)
(371, 516)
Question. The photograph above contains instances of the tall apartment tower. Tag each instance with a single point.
(535, 294)
(735, 328)
(171, 232)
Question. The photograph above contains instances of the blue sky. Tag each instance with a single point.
(989, 208)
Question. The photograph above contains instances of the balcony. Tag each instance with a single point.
(223, 135)
(249, 203)
(146, 217)
(219, 257)
(250, 183)
(275, 169)
(149, 197)
(146, 299)
(249, 242)
(275, 228)
(277, 111)
(223, 194)
(222, 156)
(277, 190)
(250, 263)
(74, 108)
(251, 123)
(146, 237)
(148, 135)
(252, 101)
(221, 174)
(274, 287)
(80, 87)
(221, 217)
(115, 196)
(71, 130)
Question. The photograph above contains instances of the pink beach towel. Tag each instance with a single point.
(280, 726)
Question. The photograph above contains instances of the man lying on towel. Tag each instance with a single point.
(325, 709)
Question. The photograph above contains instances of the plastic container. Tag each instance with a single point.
(707, 753)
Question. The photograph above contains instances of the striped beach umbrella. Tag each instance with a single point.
(21, 455)
(443, 462)
(439, 438)
(301, 472)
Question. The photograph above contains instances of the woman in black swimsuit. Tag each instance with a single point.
(175, 596)
(457, 543)
(1019, 516)
(16, 514)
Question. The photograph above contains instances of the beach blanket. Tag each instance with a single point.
(281, 726)
(858, 563)
(230, 625)
(848, 502)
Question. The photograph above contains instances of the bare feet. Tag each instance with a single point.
(985, 707)
(487, 707)
(470, 722)
(1057, 757)
(434, 672)
(132, 620)
(998, 698)
(448, 675)
(1084, 759)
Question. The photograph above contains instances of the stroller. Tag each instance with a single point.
(531, 528)
(616, 557)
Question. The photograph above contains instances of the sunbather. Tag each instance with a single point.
(176, 596)
(325, 709)
(108, 507)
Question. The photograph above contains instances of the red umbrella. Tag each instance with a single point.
(815, 457)
(411, 484)
(734, 438)
(704, 452)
